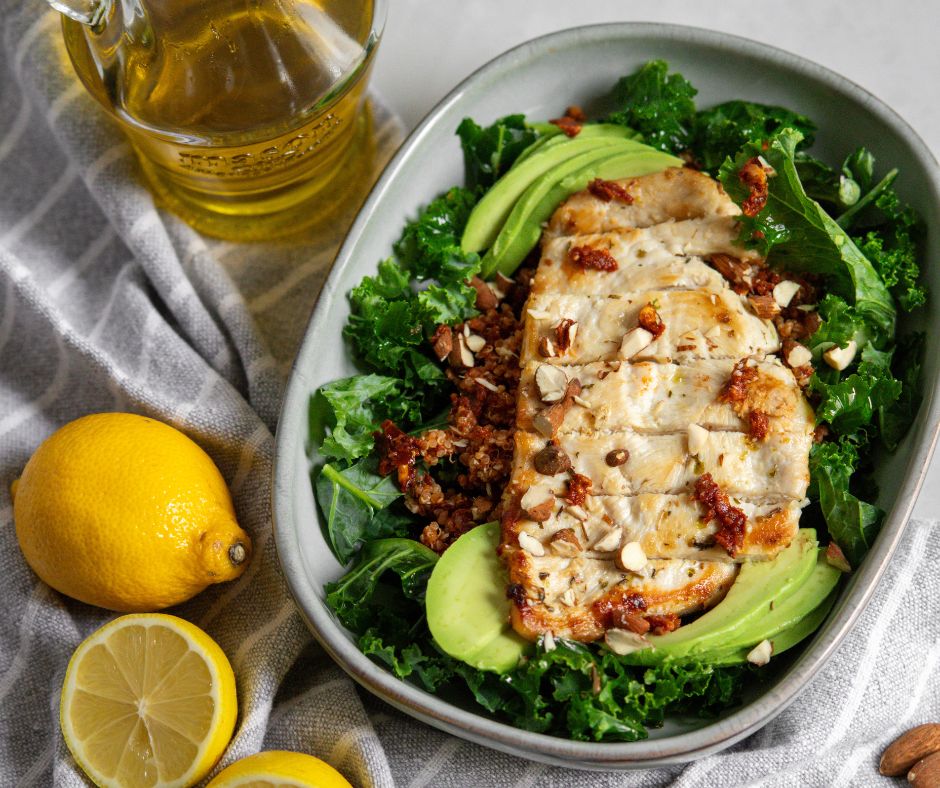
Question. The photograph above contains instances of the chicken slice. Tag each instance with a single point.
(651, 397)
(665, 526)
(698, 324)
(629, 463)
(674, 194)
(581, 597)
(649, 258)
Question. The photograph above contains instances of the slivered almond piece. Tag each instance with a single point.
(565, 543)
(548, 420)
(609, 541)
(698, 438)
(546, 348)
(799, 356)
(635, 340)
(460, 355)
(764, 306)
(577, 512)
(784, 292)
(548, 641)
(840, 357)
(631, 558)
(531, 545)
(535, 496)
(622, 641)
(909, 748)
(475, 342)
(761, 653)
(551, 382)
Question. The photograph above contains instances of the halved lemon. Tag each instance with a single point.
(279, 769)
(148, 700)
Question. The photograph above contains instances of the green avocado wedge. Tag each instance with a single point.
(523, 227)
(466, 604)
(490, 213)
(787, 613)
(786, 639)
(758, 585)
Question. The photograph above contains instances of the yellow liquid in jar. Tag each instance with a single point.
(245, 114)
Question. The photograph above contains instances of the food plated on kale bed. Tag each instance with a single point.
(623, 389)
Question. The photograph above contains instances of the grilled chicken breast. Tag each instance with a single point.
(659, 440)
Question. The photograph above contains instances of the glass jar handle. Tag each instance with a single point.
(93, 13)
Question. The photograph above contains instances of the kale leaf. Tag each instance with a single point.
(355, 502)
(657, 104)
(355, 600)
(895, 419)
(391, 317)
(344, 414)
(429, 246)
(575, 690)
(853, 524)
(852, 402)
(796, 233)
(720, 132)
(892, 248)
(489, 152)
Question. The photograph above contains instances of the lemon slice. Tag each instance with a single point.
(279, 769)
(148, 700)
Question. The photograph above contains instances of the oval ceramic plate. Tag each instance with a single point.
(540, 78)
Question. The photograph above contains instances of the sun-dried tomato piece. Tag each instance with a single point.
(579, 488)
(742, 375)
(569, 126)
(731, 520)
(588, 257)
(754, 176)
(609, 190)
(660, 625)
(397, 452)
(649, 319)
(576, 113)
(759, 425)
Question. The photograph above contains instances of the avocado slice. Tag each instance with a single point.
(523, 226)
(466, 604)
(551, 136)
(787, 613)
(490, 213)
(758, 584)
(786, 639)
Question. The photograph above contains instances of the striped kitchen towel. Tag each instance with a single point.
(109, 304)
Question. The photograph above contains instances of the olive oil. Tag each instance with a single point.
(246, 114)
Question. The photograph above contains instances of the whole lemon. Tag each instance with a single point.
(126, 513)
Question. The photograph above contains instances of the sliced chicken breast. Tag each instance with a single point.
(649, 258)
(697, 324)
(630, 463)
(675, 194)
(652, 397)
(660, 443)
(581, 597)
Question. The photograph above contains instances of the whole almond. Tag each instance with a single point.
(925, 773)
(909, 748)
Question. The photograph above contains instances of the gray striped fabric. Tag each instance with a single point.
(108, 304)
